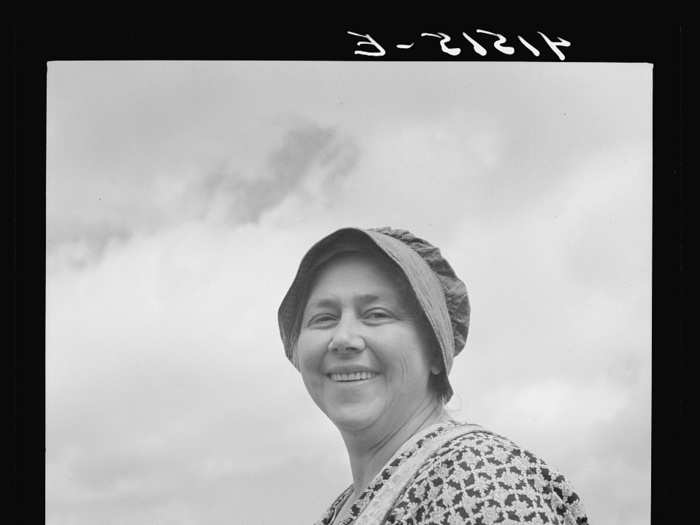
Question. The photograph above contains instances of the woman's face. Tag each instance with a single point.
(361, 351)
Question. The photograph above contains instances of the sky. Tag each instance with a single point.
(181, 197)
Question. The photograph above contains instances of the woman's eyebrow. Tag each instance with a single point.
(329, 302)
(367, 298)
(325, 302)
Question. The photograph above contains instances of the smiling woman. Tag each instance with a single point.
(372, 322)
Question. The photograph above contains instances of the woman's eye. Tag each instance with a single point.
(321, 319)
(377, 315)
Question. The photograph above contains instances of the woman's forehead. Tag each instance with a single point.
(361, 273)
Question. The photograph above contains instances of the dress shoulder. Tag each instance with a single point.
(484, 478)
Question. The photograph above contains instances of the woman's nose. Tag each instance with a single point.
(346, 337)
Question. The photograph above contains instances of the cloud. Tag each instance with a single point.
(223, 195)
(305, 147)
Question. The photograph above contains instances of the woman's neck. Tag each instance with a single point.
(369, 451)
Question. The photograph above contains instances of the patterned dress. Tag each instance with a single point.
(477, 478)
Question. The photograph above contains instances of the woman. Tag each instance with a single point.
(373, 321)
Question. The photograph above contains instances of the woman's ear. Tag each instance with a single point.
(435, 370)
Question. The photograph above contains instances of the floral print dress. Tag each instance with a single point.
(477, 478)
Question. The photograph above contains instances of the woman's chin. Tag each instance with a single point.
(354, 417)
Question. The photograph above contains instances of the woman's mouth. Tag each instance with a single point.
(351, 376)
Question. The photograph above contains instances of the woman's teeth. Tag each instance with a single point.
(354, 376)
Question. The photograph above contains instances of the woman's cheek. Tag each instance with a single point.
(309, 351)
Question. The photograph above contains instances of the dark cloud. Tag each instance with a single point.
(304, 148)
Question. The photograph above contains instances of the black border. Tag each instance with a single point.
(32, 46)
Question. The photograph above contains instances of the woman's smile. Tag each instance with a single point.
(351, 374)
(352, 377)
